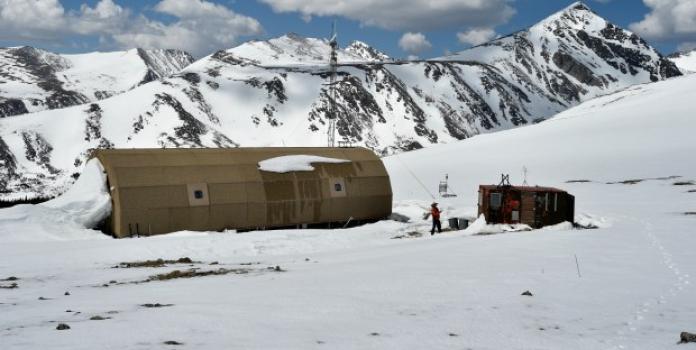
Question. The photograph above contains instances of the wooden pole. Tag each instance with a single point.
(577, 265)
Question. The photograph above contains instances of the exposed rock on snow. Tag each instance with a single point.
(286, 164)
(687, 337)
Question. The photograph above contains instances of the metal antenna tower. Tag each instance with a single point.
(524, 172)
(333, 64)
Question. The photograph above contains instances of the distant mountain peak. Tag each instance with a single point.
(577, 15)
(292, 48)
(578, 6)
(367, 52)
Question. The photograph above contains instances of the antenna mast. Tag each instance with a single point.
(524, 172)
(333, 64)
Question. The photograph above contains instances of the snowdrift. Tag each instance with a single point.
(69, 216)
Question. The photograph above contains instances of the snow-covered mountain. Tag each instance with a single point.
(292, 50)
(686, 61)
(274, 93)
(34, 80)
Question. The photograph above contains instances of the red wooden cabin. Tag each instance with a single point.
(532, 205)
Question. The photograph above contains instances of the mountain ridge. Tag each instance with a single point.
(33, 80)
(275, 93)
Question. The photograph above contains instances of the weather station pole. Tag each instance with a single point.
(333, 64)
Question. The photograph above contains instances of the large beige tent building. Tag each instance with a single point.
(157, 191)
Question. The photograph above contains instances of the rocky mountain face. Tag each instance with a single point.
(33, 80)
(686, 61)
(275, 93)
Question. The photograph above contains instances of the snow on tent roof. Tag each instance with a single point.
(300, 162)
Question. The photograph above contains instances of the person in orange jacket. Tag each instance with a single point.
(435, 213)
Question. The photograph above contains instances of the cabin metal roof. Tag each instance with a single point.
(524, 188)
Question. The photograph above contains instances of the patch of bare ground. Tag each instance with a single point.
(666, 177)
(154, 263)
(637, 181)
(9, 286)
(577, 181)
(155, 305)
(99, 318)
(191, 273)
(627, 182)
(690, 213)
(412, 234)
(684, 183)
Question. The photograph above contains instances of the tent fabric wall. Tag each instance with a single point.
(158, 191)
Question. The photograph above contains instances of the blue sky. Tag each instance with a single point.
(203, 26)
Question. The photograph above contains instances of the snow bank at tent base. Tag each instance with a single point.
(72, 215)
(300, 162)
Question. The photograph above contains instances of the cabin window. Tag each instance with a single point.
(480, 198)
(546, 202)
(198, 194)
(337, 187)
(496, 200)
(555, 202)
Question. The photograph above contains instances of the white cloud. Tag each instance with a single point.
(106, 17)
(476, 36)
(414, 43)
(668, 20)
(413, 15)
(38, 20)
(199, 26)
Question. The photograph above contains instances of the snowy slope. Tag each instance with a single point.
(643, 132)
(686, 61)
(274, 93)
(632, 286)
(33, 80)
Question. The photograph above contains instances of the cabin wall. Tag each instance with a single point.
(537, 208)
(527, 214)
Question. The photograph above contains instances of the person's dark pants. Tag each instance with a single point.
(436, 223)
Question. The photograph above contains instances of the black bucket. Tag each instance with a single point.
(454, 223)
